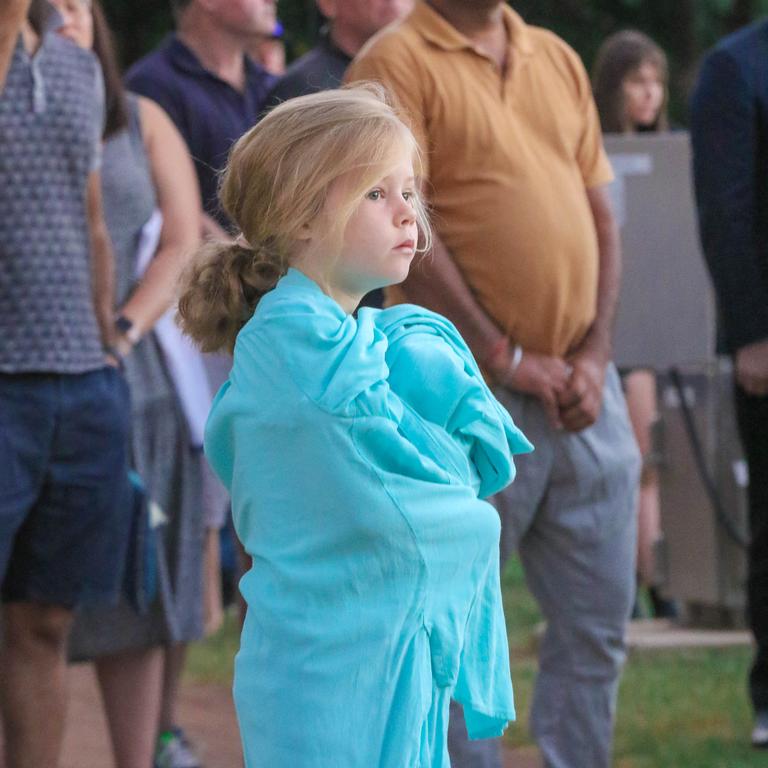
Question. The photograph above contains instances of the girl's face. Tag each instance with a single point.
(643, 92)
(78, 21)
(380, 238)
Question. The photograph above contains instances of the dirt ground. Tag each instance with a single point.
(207, 714)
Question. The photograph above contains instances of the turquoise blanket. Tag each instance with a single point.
(357, 452)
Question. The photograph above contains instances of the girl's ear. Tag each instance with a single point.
(314, 229)
(307, 231)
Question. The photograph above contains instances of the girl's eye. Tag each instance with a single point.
(408, 196)
(374, 194)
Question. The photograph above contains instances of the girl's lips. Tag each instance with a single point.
(406, 244)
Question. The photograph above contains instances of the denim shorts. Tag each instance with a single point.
(63, 461)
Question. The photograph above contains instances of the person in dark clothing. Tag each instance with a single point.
(319, 69)
(202, 78)
(350, 24)
(213, 92)
(729, 132)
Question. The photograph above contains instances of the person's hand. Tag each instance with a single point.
(112, 358)
(123, 346)
(752, 368)
(542, 376)
(115, 353)
(579, 403)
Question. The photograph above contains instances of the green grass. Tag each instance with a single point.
(211, 661)
(677, 709)
(685, 708)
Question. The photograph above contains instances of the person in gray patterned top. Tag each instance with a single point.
(63, 402)
(147, 174)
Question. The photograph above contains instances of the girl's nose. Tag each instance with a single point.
(406, 214)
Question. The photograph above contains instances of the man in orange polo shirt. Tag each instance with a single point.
(526, 263)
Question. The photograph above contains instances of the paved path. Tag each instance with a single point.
(206, 711)
(655, 634)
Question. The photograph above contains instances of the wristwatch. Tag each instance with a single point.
(125, 327)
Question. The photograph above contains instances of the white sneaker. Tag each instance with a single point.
(175, 751)
(760, 731)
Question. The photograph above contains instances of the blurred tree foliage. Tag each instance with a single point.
(684, 28)
(140, 24)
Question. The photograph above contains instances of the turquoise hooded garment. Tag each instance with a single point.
(357, 452)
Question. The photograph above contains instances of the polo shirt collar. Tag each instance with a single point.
(440, 32)
(326, 42)
(185, 59)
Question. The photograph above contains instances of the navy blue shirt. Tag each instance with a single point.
(729, 133)
(320, 69)
(210, 114)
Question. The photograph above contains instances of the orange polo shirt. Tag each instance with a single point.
(508, 162)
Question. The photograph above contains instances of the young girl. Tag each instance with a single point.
(356, 449)
(630, 82)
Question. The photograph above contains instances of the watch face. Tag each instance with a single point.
(123, 324)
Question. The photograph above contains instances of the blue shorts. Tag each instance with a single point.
(63, 459)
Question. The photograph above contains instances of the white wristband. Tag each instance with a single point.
(514, 363)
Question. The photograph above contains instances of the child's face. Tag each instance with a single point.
(643, 91)
(380, 238)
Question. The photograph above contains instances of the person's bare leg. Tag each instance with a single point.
(131, 689)
(175, 657)
(33, 683)
(213, 609)
(648, 527)
(642, 406)
(244, 563)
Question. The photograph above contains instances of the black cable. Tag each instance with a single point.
(723, 518)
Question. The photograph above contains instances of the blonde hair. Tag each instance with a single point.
(275, 183)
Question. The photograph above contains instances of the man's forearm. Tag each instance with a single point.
(435, 282)
(13, 13)
(599, 339)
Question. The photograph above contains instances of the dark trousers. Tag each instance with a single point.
(752, 415)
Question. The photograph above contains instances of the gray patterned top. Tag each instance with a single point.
(51, 118)
(129, 200)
